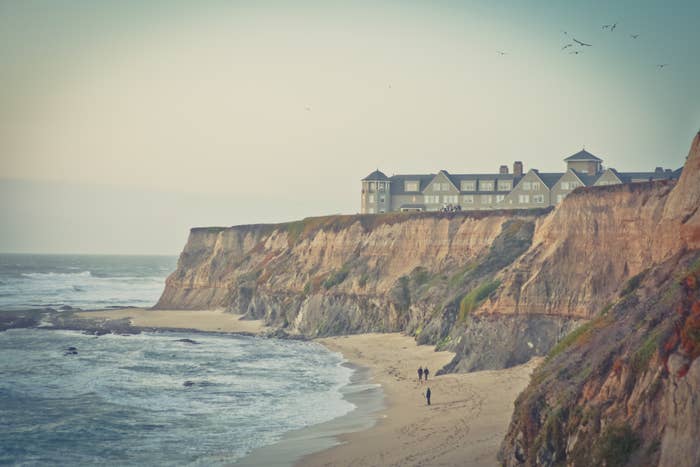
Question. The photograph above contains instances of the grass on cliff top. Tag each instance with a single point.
(307, 227)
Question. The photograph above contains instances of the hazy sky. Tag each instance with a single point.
(123, 123)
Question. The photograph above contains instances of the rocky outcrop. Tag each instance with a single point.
(622, 389)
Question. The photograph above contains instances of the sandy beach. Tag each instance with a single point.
(200, 320)
(464, 425)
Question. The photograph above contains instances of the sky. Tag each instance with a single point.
(125, 123)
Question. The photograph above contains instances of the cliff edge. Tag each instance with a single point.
(622, 389)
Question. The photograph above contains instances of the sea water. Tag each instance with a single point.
(81, 281)
(147, 399)
(152, 399)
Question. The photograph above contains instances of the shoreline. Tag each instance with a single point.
(391, 423)
(296, 445)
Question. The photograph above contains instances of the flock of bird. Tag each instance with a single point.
(577, 46)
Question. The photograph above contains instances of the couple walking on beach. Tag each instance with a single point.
(423, 372)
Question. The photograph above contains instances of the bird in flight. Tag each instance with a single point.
(634, 36)
(308, 108)
(575, 52)
(567, 46)
(582, 44)
(611, 27)
(662, 65)
(500, 52)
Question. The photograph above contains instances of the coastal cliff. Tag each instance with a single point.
(622, 389)
(496, 287)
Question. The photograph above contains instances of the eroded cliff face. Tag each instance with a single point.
(346, 274)
(623, 388)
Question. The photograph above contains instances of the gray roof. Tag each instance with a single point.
(587, 179)
(397, 183)
(582, 155)
(550, 179)
(376, 175)
(627, 177)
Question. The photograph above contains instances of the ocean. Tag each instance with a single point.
(81, 281)
(151, 398)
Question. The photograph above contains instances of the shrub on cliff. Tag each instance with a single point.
(476, 297)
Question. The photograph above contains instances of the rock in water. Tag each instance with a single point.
(188, 341)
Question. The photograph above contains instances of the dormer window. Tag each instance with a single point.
(486, 185)
(505, 185)
(468, 185)
(411, 185)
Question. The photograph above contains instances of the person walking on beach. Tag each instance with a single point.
(420, 374)
(427, 396)
(425, 373)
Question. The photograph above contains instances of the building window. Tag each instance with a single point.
(535, 186)
(432, 199)
(468, 185)
(505, 185)
(538, 199)
(370, 198)
(436, 187)
(485, 186)
(468, 199)
(560, 198)
(380, 186)
(411, 186)
(486, 199)
(371, 186)
(524, 199)
(527, 186)
(381, 199)
(500, 198)
(370, 211)
(565, 186)
(574, 185)
(451, 199)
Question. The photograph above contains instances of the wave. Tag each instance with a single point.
(54, 275)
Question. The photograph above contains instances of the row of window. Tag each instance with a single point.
(525, 199)
(466, 199)
(465, 185)
(370, 198)
(378, 186)
(570, 185)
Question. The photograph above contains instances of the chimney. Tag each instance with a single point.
(503, 170)
(518, 168)
(659, 170)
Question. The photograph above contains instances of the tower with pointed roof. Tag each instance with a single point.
(584, 162)
(376, 193)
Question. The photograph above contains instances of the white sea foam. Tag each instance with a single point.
(121, 399)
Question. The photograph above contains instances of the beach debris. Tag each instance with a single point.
(71, 351)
